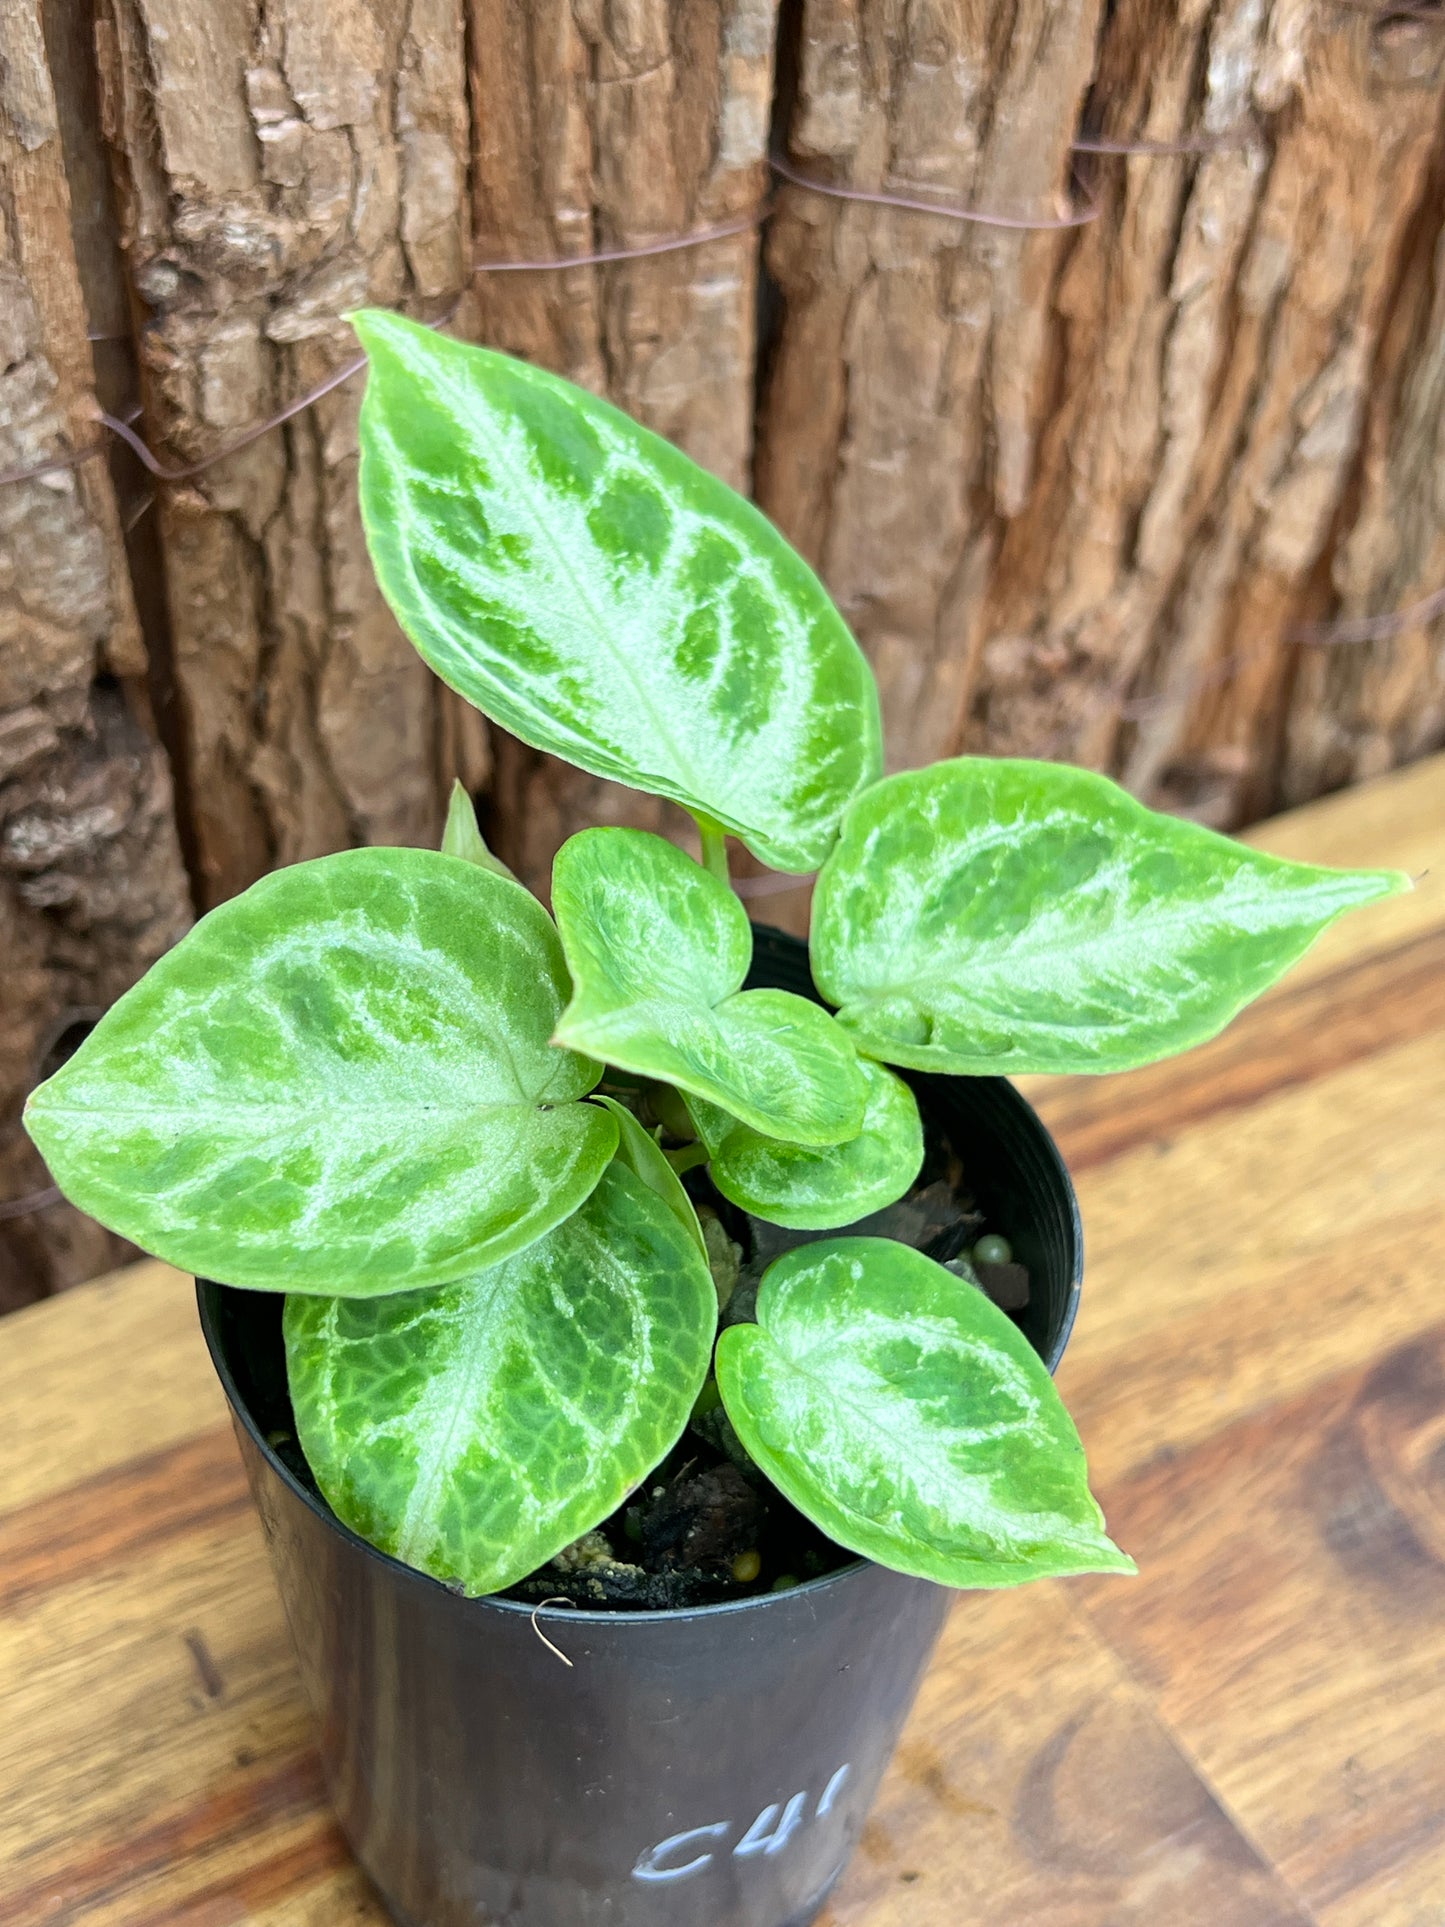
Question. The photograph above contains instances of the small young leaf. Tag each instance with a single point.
(602, 597)
(990, 916)
(340, 1082)
(817, 1190)
(645, 1158)
(910, 1420)
(462, 836)
(658, 948)
(475, 1429)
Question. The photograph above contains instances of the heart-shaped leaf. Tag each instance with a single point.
(463, 837)
(810, 1189)
(998, 916)
(643, 1156)
(658, 949)
(475, 1429)
(602, 597)
(339, 1082)
(910, 1419)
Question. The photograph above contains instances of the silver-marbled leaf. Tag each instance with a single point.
(910, 1419)
(604, 598)
(812, 1188)
(658, 949)
(1007, 916)
(475, 1429)
(340, 1081)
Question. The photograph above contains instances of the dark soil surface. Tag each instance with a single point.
(707, 1525)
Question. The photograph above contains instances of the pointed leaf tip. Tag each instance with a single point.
(995, 916)
(603, 598)
(463, 838)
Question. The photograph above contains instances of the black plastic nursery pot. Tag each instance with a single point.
(707, 1767)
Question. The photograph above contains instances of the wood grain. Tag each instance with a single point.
(1247, 1734)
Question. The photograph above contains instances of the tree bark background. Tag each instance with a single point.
(1093, 492)
(612, 126)
(281, 161)
(91, 884)
(1050, 476)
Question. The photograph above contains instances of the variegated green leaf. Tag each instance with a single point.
(658, 948)
(463, 837)
(602, 597)
(811, 1189)
(475, 1429)
(910, 1419)
(339, 1082)
(998, 916)
(643, 1156)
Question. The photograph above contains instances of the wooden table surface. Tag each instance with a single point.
(1251, 1733)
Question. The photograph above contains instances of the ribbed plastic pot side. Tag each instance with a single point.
(709, 1767)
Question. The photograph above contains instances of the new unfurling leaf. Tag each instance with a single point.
(808, 1189)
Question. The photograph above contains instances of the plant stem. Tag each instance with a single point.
(684, 1159)
(714, 848)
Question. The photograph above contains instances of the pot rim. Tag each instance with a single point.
(565, 1612)
(492, 1600)
(206, 1300)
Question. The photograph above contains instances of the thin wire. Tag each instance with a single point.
(252, 434)
(54, 463)
(72, 460)
(739, 224)
(1079, 217)
(695, 238)
(22, 1207)
(1193, 144)
(1405, 10)
(1373, 628)
(1349, 630)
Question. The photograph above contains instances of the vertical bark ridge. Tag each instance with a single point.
(287, 164)
(599, 127)
(91, 885)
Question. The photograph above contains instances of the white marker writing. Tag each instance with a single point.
(758, 1839)
(774, 1827)
(647, 1867)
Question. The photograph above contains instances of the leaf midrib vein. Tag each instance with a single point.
(995, 956)
(423, 1493)
(314, 1109)
(871, 1425)
(544, 528)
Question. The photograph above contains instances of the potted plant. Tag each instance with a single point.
(512, 1174)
